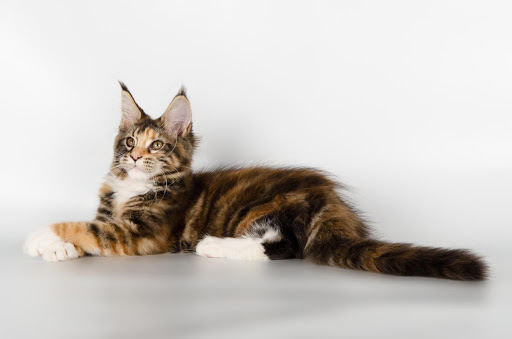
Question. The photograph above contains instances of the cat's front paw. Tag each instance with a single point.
(60, 252)
(46, 243)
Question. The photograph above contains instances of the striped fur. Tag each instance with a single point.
(281, 212)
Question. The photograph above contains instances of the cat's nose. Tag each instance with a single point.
(135, 156)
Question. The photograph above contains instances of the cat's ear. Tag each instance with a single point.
(131, 112)
(177, 119)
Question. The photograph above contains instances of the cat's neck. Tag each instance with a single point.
(126, 188)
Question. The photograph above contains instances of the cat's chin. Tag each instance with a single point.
(137, 174)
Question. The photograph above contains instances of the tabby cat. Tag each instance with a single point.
(151, 202)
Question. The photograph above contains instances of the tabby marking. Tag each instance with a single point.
(151, 202)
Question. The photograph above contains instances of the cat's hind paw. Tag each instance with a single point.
(210, 247)
(232, 248)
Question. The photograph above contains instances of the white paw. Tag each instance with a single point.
(60, 252)
(232, 248)
(46, 243)
(210, 247)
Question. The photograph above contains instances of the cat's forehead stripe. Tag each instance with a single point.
(146, 134)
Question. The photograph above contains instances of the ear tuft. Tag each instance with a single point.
(177, 118)
(129, 108)
(182, 91)
(123, 86)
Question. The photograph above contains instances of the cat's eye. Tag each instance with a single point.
(156, 145)
(130, 142)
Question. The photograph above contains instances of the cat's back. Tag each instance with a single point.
(262, 180)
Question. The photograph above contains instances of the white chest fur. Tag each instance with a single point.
(127, 188)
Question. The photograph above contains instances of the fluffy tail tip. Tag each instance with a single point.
(467, 266)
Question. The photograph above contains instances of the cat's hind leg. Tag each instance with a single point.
(262, 242)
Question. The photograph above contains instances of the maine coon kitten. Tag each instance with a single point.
(151, 202)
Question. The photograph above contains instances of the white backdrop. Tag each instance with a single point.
(407, 102)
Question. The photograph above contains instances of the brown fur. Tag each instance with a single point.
(304, 204)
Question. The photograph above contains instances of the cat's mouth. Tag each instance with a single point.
(138, 173)
(139, 169)
(136, 169)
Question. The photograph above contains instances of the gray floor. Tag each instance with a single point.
(186, 296)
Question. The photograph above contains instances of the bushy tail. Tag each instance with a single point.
(399, 259)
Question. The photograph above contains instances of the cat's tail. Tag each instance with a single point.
(397, 259)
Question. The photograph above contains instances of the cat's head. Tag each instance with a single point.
(146, 148)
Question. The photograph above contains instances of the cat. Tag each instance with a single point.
(151, 202)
